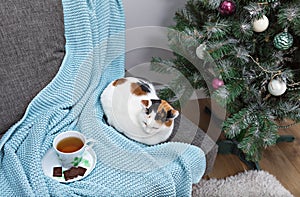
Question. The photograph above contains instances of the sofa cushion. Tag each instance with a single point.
(32, 48)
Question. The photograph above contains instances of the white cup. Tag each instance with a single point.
(70, 146)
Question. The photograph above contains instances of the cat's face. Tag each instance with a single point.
(157, 115)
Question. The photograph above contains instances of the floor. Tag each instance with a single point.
(281, 160)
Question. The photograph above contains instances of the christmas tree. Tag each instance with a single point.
(254, 46)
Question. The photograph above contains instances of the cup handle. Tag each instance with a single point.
(89, 143)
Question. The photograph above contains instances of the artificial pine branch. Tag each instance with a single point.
(162, 66)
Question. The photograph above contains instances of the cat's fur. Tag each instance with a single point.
(133, 108)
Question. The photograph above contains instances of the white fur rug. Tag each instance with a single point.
(247, 184)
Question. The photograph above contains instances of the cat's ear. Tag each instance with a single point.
(172, 114)
(145, 103)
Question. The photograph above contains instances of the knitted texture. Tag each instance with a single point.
(95, 50)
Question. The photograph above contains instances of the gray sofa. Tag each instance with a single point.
(32, 50)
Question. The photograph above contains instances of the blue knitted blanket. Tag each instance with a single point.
(95, 49)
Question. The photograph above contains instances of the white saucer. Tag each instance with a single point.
(50, 160)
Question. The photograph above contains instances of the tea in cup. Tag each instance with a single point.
(70, 146)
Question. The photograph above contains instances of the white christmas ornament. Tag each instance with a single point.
(277, 87)
(260, 25)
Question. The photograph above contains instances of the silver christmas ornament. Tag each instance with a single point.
(200, 51)
(277, 87)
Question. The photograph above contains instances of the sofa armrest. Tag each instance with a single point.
(188, 132)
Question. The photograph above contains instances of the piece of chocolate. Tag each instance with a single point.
(74, 171)
(71, 173)
(81, 170)
(57, 171)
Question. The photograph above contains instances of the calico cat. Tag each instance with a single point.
(133, 108)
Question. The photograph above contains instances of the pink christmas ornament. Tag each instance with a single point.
(227, 7)
(216, 83)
